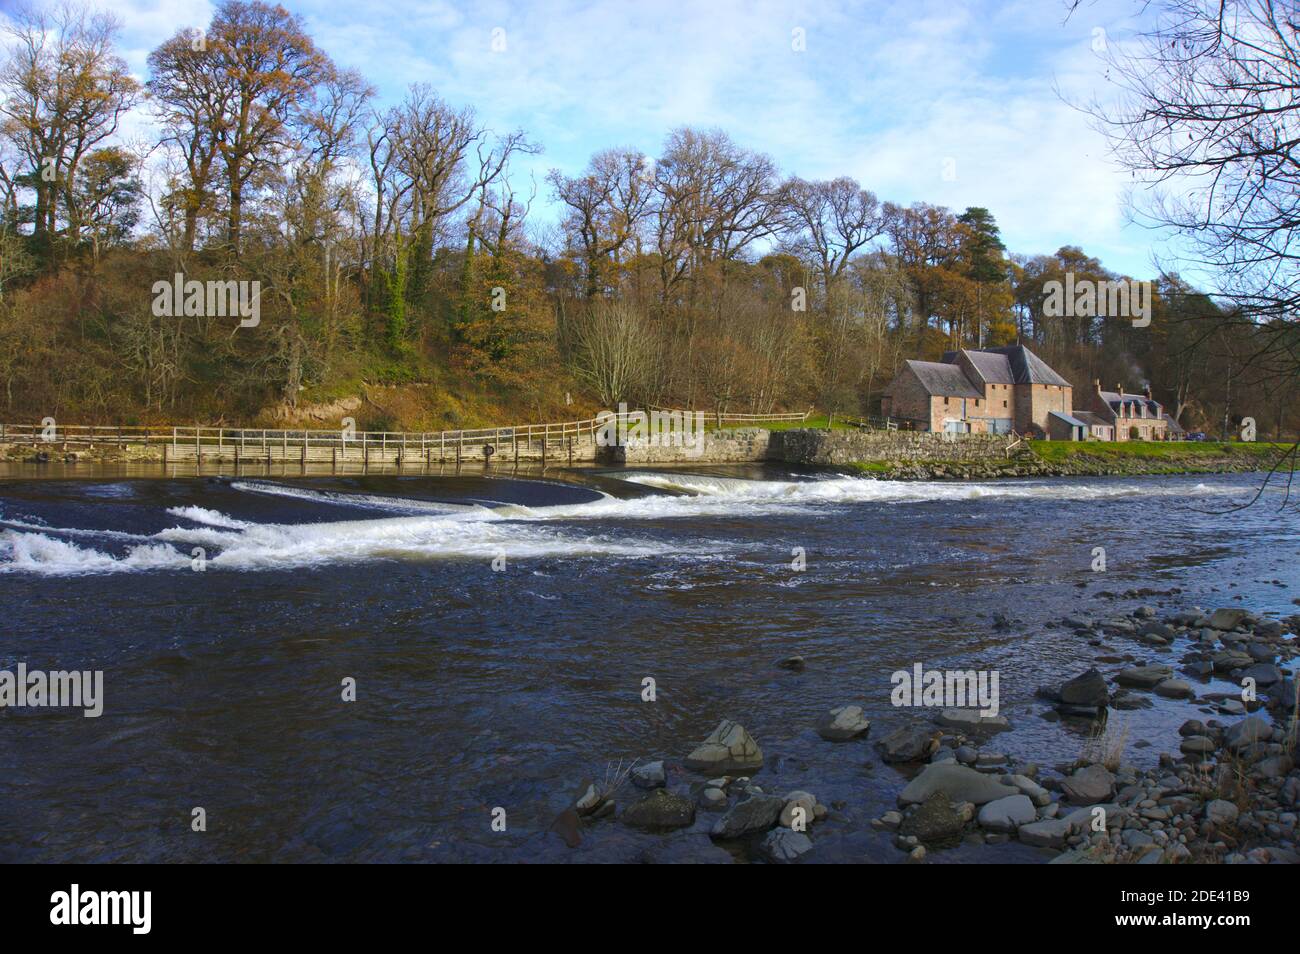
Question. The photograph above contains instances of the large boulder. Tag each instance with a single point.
(1045, 834)
(755, 813)
(957, 782)
(842, 724)
(661, 810)
(728, 749)
(909, 743)
(1088, 689)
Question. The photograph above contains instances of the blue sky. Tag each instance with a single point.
(954, 102)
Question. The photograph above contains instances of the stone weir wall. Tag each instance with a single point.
(802, 446)
(849, 447)
(743, 445)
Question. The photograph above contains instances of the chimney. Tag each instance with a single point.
(1096, 383)
(1149, 397)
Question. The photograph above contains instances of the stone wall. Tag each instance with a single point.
(848, 447)
(743, 445)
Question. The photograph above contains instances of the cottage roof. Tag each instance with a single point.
(1091, 419)
(945, 380)
(991, 367)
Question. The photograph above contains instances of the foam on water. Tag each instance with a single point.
(429, 531)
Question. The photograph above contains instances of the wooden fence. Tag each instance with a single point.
(545, 442)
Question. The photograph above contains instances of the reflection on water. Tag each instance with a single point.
(478, 688)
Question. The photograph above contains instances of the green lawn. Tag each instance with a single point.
(815, 421)
(1057, 451)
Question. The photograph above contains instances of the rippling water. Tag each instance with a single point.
(479, 689)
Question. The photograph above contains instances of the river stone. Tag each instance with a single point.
(957, 782)
(1045, 834)
(1260, 653)
(650, 775)
(661, 810)
(1174, 689)
(842, 724)
(1231, 659)
(1264, 674)
(729, 749)
(1007, 814)
(1088, 689)
(805, 800)
(1228, 618)
(782, 846)
(1197, 745)
(1221, 812)
(909, 743)
(1089, 785)
(755, 813)
(971, 719)
(713, 799)
(1247, 732)
(1144, 677)
(936, 821)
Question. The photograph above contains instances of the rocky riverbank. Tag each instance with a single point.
(1231, 794)
(1028, 464)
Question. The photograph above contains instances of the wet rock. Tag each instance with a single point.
(1228, 618)
(909, 743)
(957, 782)
(970, 719)
(1144, 677)
(795, 801)
(728, 749)
(792, 663)
(937, 821)
(713, 799)
(1089, 689)
(753, 814)
(1197, 745)
(782, 846)
(1231, 659)
(650, 775)
(1264, 674)
(1007, 814)
(1174, 689)
(661, 810)
(842, 724)
(1089, 785)
(1045, 834)
(1247, 732)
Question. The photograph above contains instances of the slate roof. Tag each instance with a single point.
(993, 368)
(1132, 401)
(1073, 421)
(1174, 426)
(1027, 367)
(1091, 419)
(945, 380)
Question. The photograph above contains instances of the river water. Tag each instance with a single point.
(480, 688)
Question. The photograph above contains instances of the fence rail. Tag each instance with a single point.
(198, 442)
